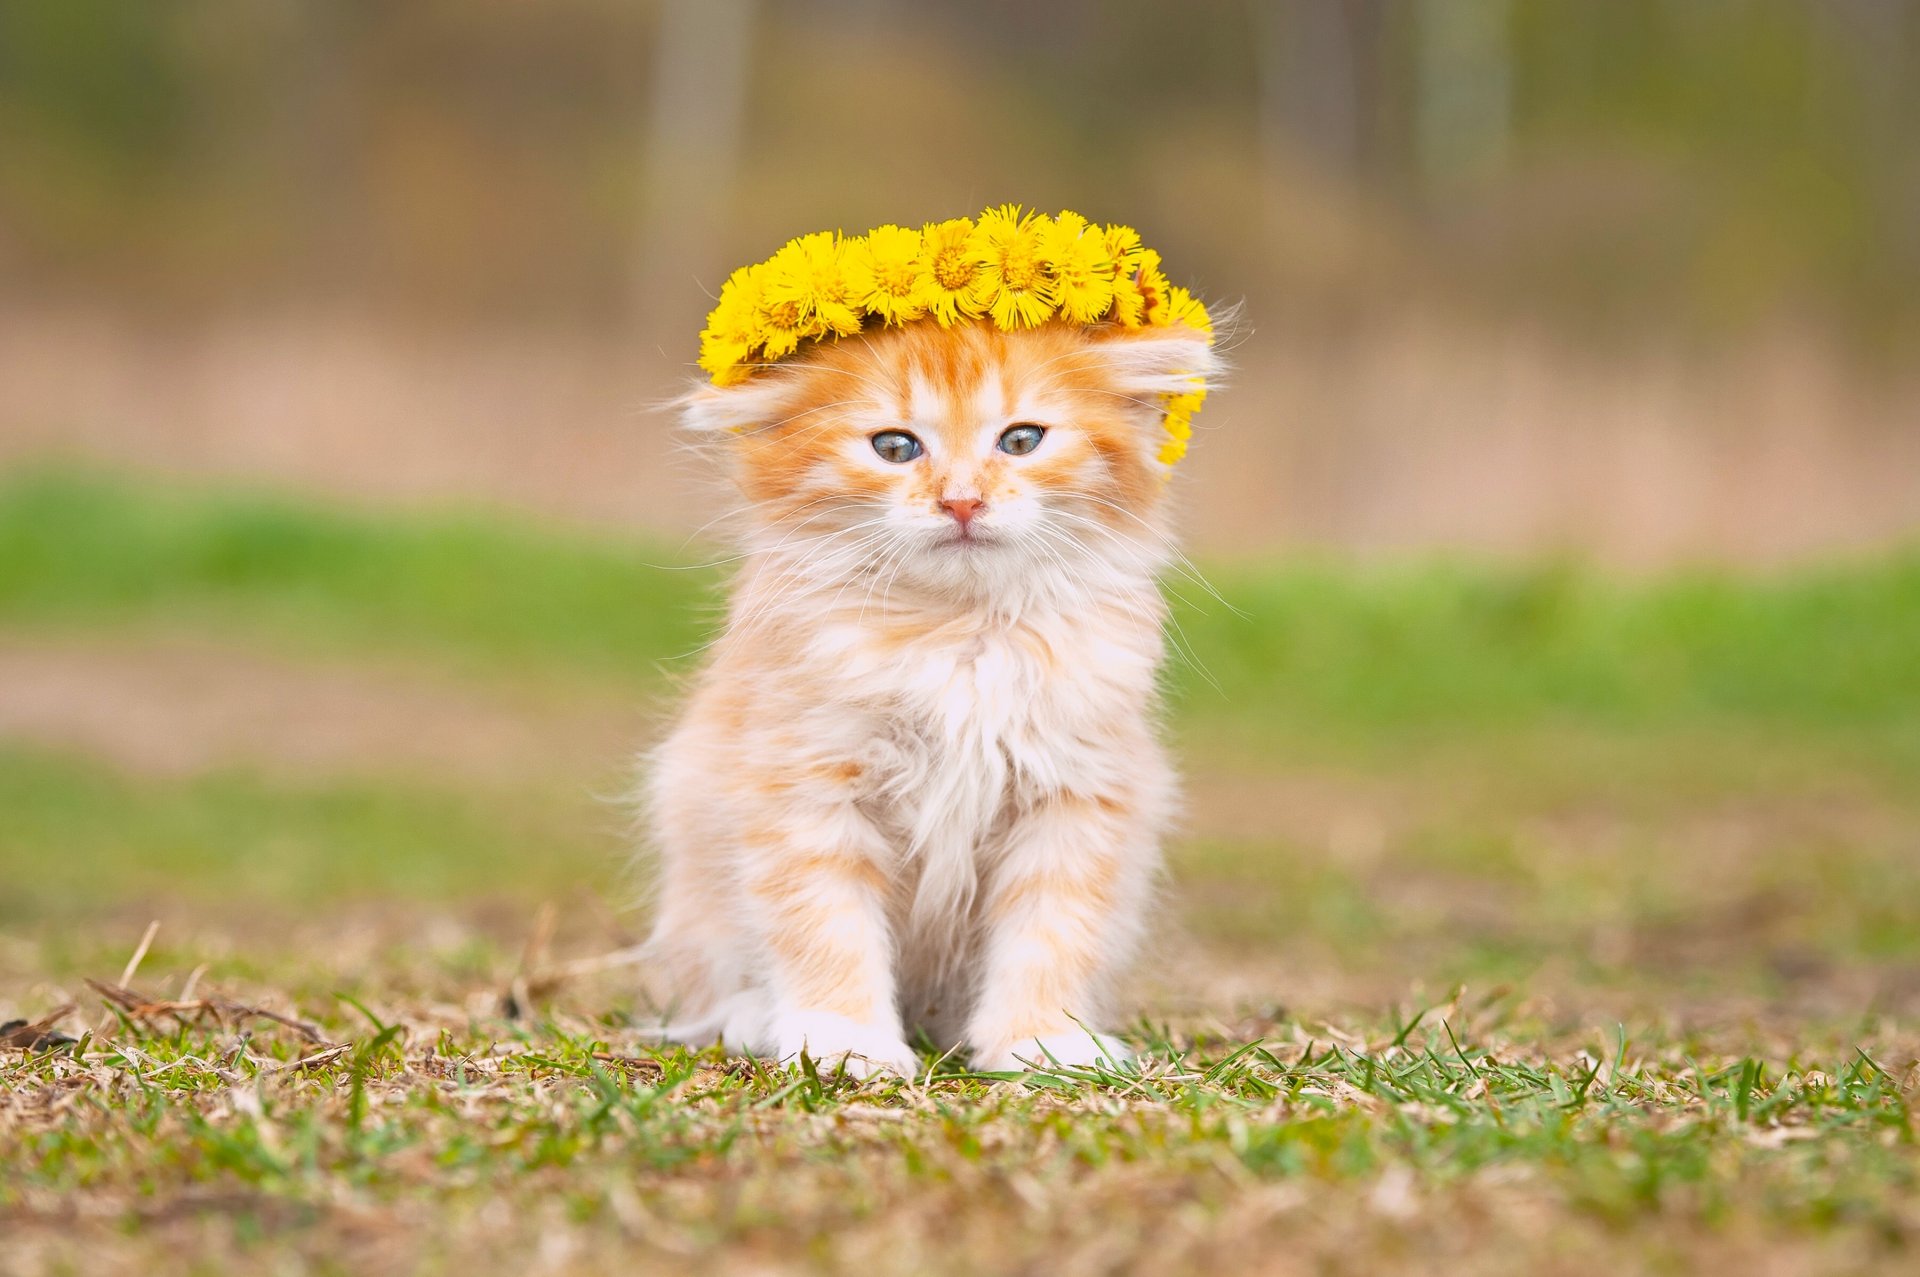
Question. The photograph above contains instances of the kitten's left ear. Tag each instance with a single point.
(1159, 361)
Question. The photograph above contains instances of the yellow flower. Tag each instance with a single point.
(1151, 284)
(723, 360)
(1184, 308)
(1124, 250)
(1179, 421)
(1015, 282)
(780, 324)
(733, 329)
(1140, 294)
(953, 270)
(812, 287)
(1082, 269)
(891, 256)
(1123, 246)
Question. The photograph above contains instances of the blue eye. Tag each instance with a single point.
(897, 446)
(1020, 440)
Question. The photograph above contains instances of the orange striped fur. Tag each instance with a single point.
(918, 786)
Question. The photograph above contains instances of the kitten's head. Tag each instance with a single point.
(963, 458)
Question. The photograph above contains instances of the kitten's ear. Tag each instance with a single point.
(1158, 361)
(715, 411)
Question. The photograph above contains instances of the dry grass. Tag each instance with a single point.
(422, 1133)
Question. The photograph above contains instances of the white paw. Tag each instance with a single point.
(1073, 1048)
(830, 1039)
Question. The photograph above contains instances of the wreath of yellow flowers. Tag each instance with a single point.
(1007, 267)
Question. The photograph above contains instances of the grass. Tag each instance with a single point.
(1442, 1132)
(1528, 920)
(1407, 649)
(87, 831)
(79, 549)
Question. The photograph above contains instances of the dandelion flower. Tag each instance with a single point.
(1179, 421)
(780, 324)
(1082, 269)
(1015, 282)
(812, 288)
(890, 255)
(1123, 246)
(953, 270)
(1151, 283)
(733, 329)
(1184, 308)
(1124, 251)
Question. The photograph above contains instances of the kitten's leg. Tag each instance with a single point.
(697, 968)
(697, 979)
(1062, 911)
(815, 890)
(694, 969)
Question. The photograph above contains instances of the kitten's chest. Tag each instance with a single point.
(979, 712)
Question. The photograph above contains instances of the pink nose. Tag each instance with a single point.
(962, 509)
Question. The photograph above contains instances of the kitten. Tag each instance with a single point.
(917, 787)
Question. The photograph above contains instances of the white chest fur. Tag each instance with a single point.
(975, 718)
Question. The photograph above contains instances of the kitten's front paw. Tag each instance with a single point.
(829, 1039)
(1072, 1048)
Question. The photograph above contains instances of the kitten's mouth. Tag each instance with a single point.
(968, 537)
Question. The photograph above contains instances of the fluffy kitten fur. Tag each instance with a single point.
(917, 786)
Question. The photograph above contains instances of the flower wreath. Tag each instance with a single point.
(1011, 268)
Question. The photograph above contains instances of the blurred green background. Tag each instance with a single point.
(1721, 165)
(1563, 502)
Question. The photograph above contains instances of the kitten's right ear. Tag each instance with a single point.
(1159, 361)
(722, 410)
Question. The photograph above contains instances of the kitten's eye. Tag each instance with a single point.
(897, 446)
(1020, 440)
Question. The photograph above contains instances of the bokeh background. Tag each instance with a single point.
(1638, 280)
(1561, 511)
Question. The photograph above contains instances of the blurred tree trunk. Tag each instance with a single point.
(1463, 81)
(1326, 86)
(1879, 39)
(703, 52)
(1309, 94)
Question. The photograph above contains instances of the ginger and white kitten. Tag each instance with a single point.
(917, 787)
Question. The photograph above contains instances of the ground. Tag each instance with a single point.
(1523, 920)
